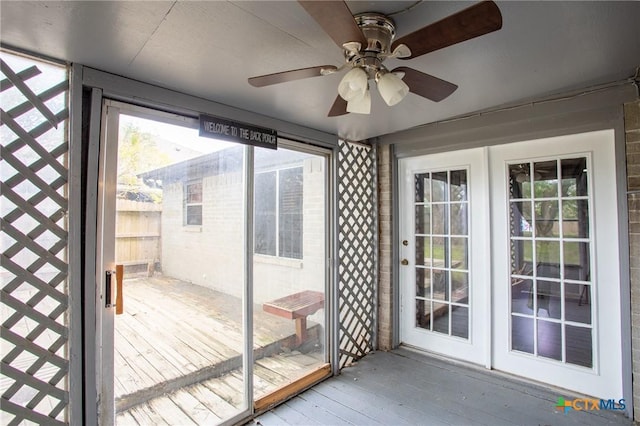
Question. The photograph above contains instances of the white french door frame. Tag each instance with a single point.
(475, 349)
(605, 379)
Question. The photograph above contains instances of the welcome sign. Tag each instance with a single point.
(232, 131)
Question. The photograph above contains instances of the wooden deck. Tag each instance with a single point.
(178, 354)
(408, 388)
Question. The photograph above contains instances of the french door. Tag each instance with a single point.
(211, 272)
(444, 271)
(541, 266)
(555, 262)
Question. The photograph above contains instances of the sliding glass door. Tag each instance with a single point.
(209, 252)
(289, 272)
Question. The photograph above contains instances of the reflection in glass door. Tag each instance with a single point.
(289, 272)
(556, 289)
(551, 288)
(179, 342)
(442, 252)
(444, 275)
(173, 316)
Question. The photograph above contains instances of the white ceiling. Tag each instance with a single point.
(210, 48)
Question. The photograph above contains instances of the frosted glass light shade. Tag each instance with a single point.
(360, 105)
(353, 85)
(392, 88)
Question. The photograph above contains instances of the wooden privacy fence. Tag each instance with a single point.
(138, 235)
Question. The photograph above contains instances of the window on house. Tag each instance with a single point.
(278, 213)
(193, 203)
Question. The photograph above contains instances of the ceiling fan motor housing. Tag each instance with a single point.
(379, 30)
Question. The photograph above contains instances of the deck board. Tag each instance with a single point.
(385, 409)
(406, 387)
(345, 412)
(287, 415)
(194, 408)
(170, 412)
(178, 354)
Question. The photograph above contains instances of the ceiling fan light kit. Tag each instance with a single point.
(367, 40)
(354, 84)
(391, 87)
(360, 104)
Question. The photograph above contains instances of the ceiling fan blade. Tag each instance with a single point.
(474, 21)
(283, 77)
(336, 19)
(338, 108)
(426, 85)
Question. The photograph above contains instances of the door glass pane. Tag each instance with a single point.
(441, 317)
(459, 253)
(458, 185)
(579, 345)
(522, 334)
(545, 179)
(459, 220)
(179, 344)
(520, 180)
(548, 299)
(576, 260)
(574, 177)
(546, 218)
(264, 238)
(423, 219)
(440, 285)
(550, 340)
(575, 213)
(521, 295)
(439, 186)
(521, 219)
(548, 259)
(551, 284)
(423, 314)
(460, 321)
(423, 188)
(423, 251)
(440, 252)
(423, 282)
(440, 219)
(290, 212)
(442, 291)
(521, 257)
(577, 303)
(289, 279)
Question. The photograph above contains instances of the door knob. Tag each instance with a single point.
(404, 262)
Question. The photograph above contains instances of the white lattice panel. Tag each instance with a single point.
(33, 272)
(356, 250)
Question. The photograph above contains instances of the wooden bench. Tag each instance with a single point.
(297, 307)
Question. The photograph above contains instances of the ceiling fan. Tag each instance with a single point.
(368, 40)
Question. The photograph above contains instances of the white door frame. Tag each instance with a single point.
(105, 264)
(476, 348)
(605, 379)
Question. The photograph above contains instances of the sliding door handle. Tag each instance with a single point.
(108, 289)
(119, 295)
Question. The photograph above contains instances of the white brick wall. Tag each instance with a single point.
(211, 255)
